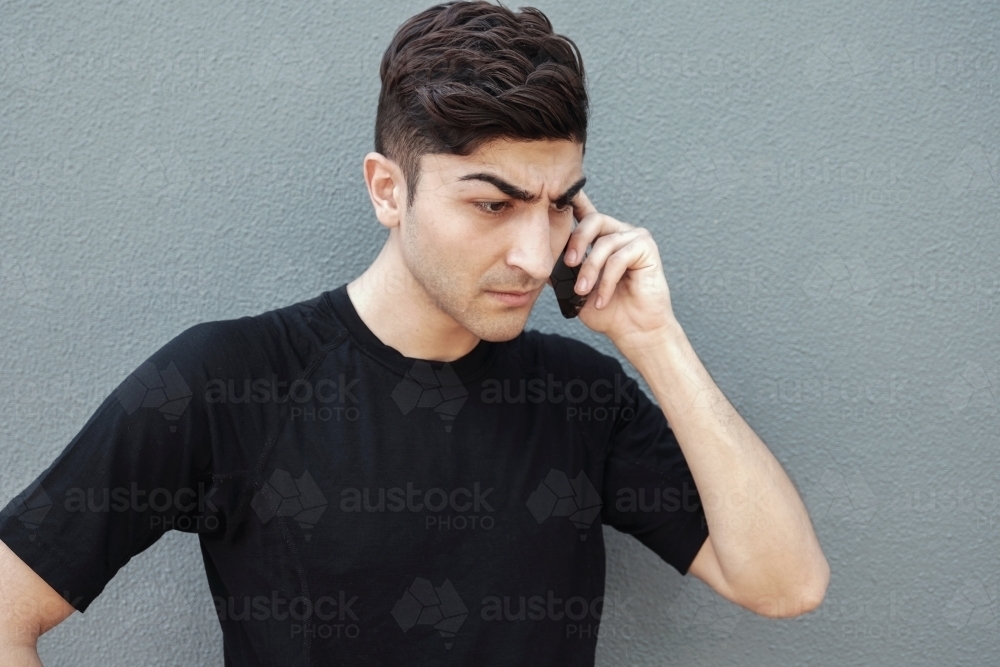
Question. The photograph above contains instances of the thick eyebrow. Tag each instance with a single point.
(521, 194)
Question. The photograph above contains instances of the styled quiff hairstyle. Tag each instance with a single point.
(460, 74)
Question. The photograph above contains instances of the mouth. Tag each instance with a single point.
(513, 297)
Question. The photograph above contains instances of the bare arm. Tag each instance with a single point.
(29, 607)
(762, 552)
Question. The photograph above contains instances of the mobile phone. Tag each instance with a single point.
(562, 279)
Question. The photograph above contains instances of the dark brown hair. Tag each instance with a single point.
(462, 73)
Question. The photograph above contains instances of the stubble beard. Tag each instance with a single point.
(471, 311)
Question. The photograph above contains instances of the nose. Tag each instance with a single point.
(531, 248)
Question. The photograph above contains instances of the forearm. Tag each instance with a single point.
(18, 637)
(19, 655)
(761, 532)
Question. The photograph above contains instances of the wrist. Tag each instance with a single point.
(642, 347)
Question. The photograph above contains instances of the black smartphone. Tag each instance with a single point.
(562, 279)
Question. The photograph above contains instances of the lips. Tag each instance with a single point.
(514, 291)
(513, 298)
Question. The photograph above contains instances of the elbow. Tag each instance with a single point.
(813, 595)
(797, 600)
(820, 582)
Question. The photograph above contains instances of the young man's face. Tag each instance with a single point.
(465, 256)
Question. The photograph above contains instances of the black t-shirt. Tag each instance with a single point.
(356, 506)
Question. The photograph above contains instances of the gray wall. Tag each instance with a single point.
(822, 181)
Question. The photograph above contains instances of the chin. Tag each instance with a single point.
(482, 318)
(502, 335)
(497, 328)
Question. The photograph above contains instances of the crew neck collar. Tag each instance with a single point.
(466, 367)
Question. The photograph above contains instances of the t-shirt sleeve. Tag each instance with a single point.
(140, 466)
(649, 491)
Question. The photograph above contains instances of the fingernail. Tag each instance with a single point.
(571, 256)
(583, 284)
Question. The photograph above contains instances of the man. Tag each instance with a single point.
(396, 471)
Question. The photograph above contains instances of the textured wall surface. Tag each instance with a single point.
(822, 181)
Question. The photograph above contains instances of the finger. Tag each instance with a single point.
(583, 209)
(582, 206)
(604, 247)
(616, 266)
(591, 227)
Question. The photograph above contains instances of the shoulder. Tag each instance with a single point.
(277, 338)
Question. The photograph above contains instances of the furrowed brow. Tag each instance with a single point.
(566, 197)
(521, 194)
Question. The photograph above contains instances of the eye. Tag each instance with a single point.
(487, 207)
(498, 207)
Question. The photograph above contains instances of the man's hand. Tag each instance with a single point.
(623, 275)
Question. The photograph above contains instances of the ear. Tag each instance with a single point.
(386, 188)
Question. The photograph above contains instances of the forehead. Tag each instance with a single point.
(524, 161)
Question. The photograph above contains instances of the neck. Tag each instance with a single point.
(401, 314)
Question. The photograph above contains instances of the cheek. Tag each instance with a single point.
(446, 239)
